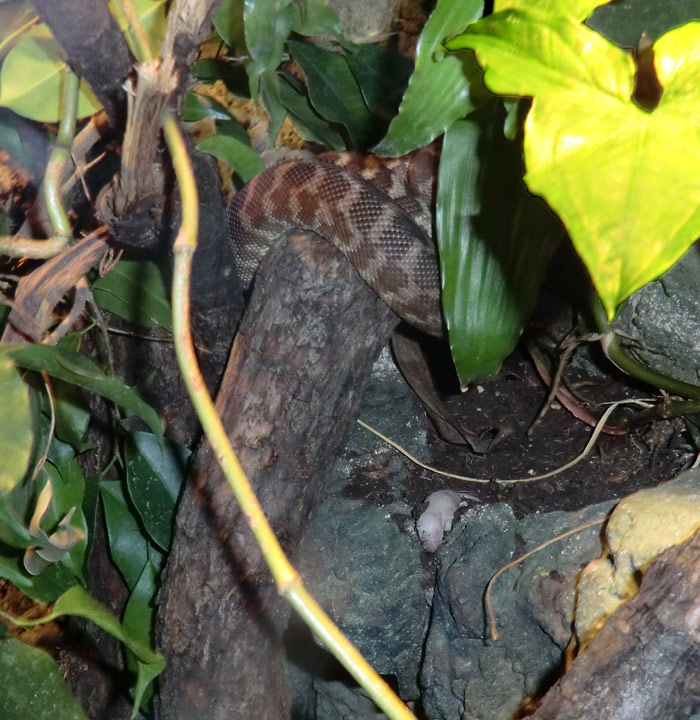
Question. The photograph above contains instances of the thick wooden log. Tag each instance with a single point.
(645, 662)
(295, 376)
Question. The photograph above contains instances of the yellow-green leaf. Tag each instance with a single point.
(15, 425)
(574, 9)
(439, 91)
(32, 78)
(625, 182)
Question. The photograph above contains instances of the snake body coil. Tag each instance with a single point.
(364, 207)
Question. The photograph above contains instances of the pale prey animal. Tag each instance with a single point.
(437, 513)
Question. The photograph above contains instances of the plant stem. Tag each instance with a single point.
(287, 579)
(614, 352)
(60, 156)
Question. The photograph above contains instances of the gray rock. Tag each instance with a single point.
(663, 319)
(418, 618)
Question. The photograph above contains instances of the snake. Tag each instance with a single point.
(376, 211)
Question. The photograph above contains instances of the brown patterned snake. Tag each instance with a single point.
(375, 210)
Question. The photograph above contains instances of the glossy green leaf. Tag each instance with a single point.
(76, 601)
(128, 546)
(315, 17)
(334, 91)
(72, 414)
(83, 371)
(21, 137)
(50, 546)
(267, 26)
(577, 10)
(16, 434)
(32, 686)
(593, 154)
(238, 155)
(441, 87)
(15, 19)
(139, 621)
(310, 125)
(382, 75)
(200, 107)
(155, 471)
(495, 242)
(233, 76)
(228, 22)
(135, 290)
(624, 21)
(11, 569)
(32, 77)
(68, 483)
(270, 83)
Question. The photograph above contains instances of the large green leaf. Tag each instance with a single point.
(33, 73)
(32, 686)
(438, 92)
(267, 26)
(382, 75)
(32, 77)
(128, 545)
(72, 414)
(236, 154)
(76, 601)
(228, 22)
(16, 434)
(15, 19)
(574, 9)
(310, 125)
(334, 91)
(83, 371)
(139, 620)
(135, 290)
(315, 17)
(625, 182)
(495, 242)
(155, 471)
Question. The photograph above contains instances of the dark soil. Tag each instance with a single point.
(616, 466)
(506, 405)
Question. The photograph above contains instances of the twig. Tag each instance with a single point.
(489, 605)
(589, 445)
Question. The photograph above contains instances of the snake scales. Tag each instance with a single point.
(377, 211)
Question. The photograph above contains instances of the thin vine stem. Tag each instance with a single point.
(623, 360)
(287, 579)
(22, 247)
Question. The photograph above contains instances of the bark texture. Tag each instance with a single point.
(645, 662)
(294, 379)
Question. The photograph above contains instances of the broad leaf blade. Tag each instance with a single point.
(495, 243)
(32, 686)
(574, 9)
(155, 471)
(32, 76)
(267, 26)
(16, 437)
(593, 154)
(135, 291)
(310, 125)
(334, 91)
(83, 371)
(127, 543)
(438, 92)
(624, 21)
(236, 154)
